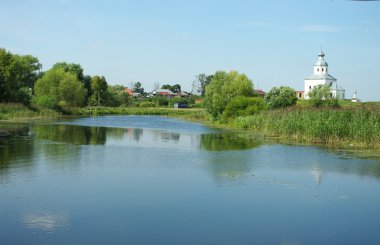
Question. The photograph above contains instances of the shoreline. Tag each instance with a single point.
(200, 115)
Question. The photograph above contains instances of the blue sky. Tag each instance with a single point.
(274, 42)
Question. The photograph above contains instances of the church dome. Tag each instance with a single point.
(321, 60)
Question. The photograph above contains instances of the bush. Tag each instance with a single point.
(243, 106)
(145, 104)
(281, 97)
(160, 101)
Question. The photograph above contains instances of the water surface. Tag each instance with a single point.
(154, 180)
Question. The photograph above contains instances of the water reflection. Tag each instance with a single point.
(71, 134)
(228, 142)
(20, 143)
(45, 221)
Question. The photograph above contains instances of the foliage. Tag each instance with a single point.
(174, 88)
(281, 97)
(223, 88)
(99, 90)
(16, 111)
(320, 95)
(350, 126)
(203, 81)
(17, 76)
(160, 101)
(137, 88)
(116, 96)
(145, 104)
(57, 89)
(243, 106)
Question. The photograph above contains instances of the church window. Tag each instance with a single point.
(322, 69)
(317, 69)
(309, 87)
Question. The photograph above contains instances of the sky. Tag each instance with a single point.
(274, 42)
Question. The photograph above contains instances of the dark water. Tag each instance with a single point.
(152, 180)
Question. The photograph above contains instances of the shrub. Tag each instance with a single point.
(243, 106)
(281, 97)
(145, 104)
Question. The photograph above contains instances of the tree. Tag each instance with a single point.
(71, 92)
(27, 70)
(7, 75)
(223, 88)
(203, 80)
(57, 89)
(137, 88)
(75, 69)
(320, 94)
(281, 97)
(116, 96)
(99, 90)
(174, 88)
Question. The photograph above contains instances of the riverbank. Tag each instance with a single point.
(18, 112)
(346, 127)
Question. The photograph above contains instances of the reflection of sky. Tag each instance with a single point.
(143, 122)
(148, 138)
(45, 221)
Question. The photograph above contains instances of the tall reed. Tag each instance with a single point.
(360, 126)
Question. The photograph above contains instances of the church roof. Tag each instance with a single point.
(321, 60)
(320, 77)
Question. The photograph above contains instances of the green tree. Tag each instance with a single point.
(223, 88)
(71, 91)
(99, 90)
(117, 96)
(7, 76)
(57, 89)
(137, 88)
(319, 94)
(280, 97)
(27, 70)
(203, 80)
(176, 88)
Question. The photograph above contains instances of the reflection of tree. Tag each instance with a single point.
(230, 166)
(167, 136)
(226, 142)
(227, 165)
(14, 144)
(71, 134)
(137, 133)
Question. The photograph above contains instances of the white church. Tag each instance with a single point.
(321, 76)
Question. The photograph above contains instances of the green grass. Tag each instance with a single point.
(190, 114)
(14, 111)
(346, 126)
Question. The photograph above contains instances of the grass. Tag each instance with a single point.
(357, 126)
(190, 114)
(15, 111)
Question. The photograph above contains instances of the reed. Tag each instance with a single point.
(359, 126)
(15, 111)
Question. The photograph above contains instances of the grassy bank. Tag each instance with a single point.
(14, 111)
(355, 126)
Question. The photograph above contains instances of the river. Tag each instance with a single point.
(155, 180)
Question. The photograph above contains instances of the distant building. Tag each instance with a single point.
(322, 77)
(355, 98)
(167, 93)
(259, 93)
(128, 91)
(300, 95)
